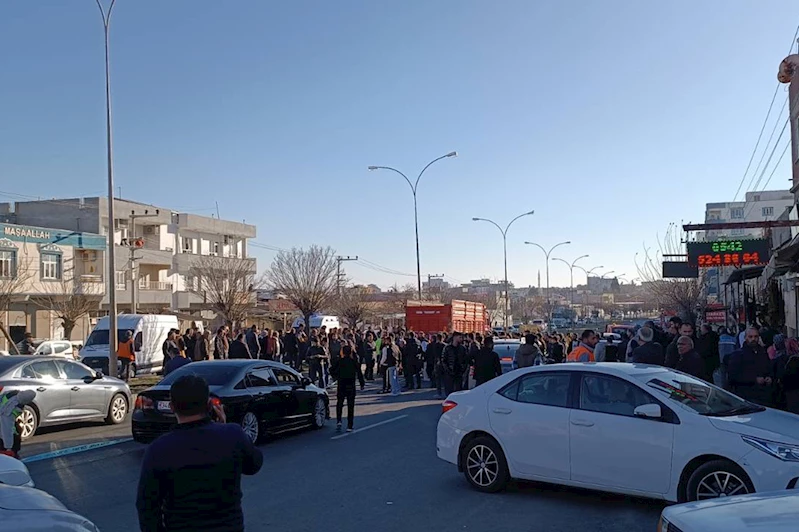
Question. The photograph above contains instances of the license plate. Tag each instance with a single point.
(164, 405)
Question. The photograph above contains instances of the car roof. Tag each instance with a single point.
(235, 363)
(619, 369)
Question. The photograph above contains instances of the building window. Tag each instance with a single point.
(51, 266)
(8, 263)
(121, 280)
(737, 213)
(768, 211)
(737, 232)
(756, 197)
(215, 249)
(188, 245)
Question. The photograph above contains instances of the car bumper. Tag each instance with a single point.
(768, 473)
(448, 441)
(146, 427)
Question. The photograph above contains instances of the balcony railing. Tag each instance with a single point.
(155, 285)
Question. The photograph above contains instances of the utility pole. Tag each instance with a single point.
(339, 260)
(133, 245)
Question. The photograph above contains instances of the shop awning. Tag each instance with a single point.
(745, 273)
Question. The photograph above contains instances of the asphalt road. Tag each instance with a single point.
(384, 476)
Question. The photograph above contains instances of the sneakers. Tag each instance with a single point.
(349, 429)
(338, 427)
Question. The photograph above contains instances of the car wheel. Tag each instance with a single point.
(29, 422)
(484, 465)
(319, 413)
(251, 427)
(717, 478)
(117, 410)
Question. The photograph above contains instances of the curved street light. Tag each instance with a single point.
(571, 265)
(547, 254)
(606, 273)
(505, 255)
(414, 186)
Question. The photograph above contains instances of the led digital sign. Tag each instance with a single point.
(729, 253)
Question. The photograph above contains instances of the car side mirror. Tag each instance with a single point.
(99, 375)
(306, 381)
(651, 411)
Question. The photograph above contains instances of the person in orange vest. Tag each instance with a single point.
(126, 355)
(584, 352)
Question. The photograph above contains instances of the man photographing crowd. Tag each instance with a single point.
(191, 477)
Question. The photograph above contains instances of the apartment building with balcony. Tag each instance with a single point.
(155, 245)
(756, 207)
(41, 267)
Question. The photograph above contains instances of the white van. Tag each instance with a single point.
(319, 320)
(149, 333)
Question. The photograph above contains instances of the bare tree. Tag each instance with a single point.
(686, 297)
(352, 304)
(307, 278)
(69, 298)
(14, 282)
(226, 285)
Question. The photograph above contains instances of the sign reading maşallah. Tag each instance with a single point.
(729, 253)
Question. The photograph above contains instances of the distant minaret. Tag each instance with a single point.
(539, 279)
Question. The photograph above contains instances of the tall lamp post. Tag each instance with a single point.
(414, 186)
(571, 266)
(587, 274)
(547, 254)
(606, 273)
(505, 255)
(111, 281)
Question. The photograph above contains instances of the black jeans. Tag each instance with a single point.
(125, 373)
(449, 383)
(346, 391)
(369, 362)
(384, 374)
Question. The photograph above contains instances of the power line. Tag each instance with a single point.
(765, 121)
(765, 149)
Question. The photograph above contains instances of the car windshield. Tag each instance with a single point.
(100, 337)
(214, 373)
(697, 395)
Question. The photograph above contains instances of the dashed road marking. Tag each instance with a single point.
(74, 450)
(367, 427)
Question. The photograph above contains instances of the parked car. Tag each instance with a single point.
(23, 508)
(634, 429)
(61, 348)
(66, 391)
(506, 349)
(263, 397)
(776, 511)
(13, 472)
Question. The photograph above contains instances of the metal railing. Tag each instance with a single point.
(155, 285)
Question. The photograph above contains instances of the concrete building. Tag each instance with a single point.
(40, 268)
(154, 245)
(756, 207)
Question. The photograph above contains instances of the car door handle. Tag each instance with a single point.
(41, 389)
(502, 410)
(75, 389)
(582, 423)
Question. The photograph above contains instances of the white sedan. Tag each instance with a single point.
(627, 428)
(773, 512)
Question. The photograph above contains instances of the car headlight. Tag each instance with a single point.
(665, 526)
(783, 451)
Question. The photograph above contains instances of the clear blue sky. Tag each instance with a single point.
(609, 118)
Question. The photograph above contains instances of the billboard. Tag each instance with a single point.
(729, 253)
(679, 270)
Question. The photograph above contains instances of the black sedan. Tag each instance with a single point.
(263, 397)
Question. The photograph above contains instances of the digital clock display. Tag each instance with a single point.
(729, 253)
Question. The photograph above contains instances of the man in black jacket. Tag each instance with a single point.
(453, 356)
(191, 477)
(750, 370)
(410, 363)
(345, 370)
(672, 354)
(486, 362)
(648, 351)
(689, 360)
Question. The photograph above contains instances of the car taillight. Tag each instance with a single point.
(143, 403)
(446, 406)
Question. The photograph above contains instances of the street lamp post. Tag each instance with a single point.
(505, 255)
(606, 273)
(571, 275)
(111, 281)
(547, 254)
(414, 186)
(587, 273)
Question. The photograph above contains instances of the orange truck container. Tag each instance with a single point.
(461, 316)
